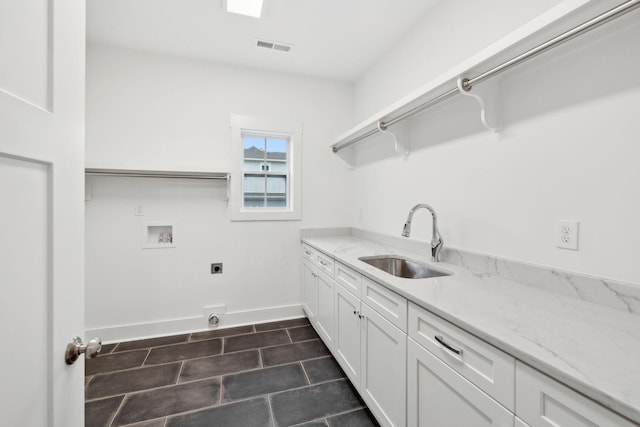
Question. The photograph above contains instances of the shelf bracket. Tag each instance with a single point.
(348, 156)
(488, 96)
(401, 144)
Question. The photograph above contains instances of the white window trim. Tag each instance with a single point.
(267, 125)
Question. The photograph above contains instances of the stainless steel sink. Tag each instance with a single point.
(403, 267)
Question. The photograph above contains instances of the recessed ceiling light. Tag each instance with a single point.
(251, 8)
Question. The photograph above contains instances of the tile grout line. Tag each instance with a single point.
(148, 354)
(305, 372)
(273, 417)
(179, 372)
(321, 419)
(115, 414)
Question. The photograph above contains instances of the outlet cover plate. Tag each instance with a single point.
(567, 235)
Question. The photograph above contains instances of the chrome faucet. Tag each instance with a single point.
(436, 239)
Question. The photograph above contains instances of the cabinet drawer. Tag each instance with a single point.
(387, 303)
(348, 278)
(308, 253)
(544, 402)
(325, 263)
(490, 369)
(438, 396)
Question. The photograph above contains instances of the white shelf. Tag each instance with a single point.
(550, 24)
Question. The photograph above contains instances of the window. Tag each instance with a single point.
(265, 178)
(265, 173)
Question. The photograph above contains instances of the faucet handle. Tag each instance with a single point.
(436, 246)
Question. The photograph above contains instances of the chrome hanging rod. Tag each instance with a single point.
(155, 174)
(468, 83)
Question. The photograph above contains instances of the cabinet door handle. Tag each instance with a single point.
(324, 263)
(457, 351)
(307, 252)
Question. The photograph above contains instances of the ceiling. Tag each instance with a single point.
(335, 39)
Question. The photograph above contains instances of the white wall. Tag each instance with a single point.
(449, 33)
(569, 151)
(150, 111)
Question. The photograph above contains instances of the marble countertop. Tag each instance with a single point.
(591, 348)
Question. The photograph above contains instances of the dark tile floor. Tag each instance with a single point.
(272, 374)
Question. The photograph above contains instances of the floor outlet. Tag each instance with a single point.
(567, 235)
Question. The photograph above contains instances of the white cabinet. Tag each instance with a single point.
(325, 310)
(455, 379)
(544, 402)
(347, 333)
(384, 363)
(364, 324)
(390, 305)
(309, 291)
(318, 290)
(438, 396)
(372, 352)
(490, 369)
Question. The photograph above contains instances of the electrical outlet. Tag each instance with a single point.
(216, 268)
(567, 235)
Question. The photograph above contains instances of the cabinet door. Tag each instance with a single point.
(384, 373)
(439, 396)
(347, 333)
(324, 313)
(309, 291)
(544, 402)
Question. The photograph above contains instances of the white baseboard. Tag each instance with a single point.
(160, 328)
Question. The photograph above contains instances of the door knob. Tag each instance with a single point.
(75, 348)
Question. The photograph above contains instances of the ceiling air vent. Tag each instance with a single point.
(274, 46)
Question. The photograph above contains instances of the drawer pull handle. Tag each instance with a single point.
(457, 351)
(307, 252)
(324, 263)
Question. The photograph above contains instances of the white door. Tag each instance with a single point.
(325, 313)
(309, 291)
(384, 368)
(347, 333)
(41, 210)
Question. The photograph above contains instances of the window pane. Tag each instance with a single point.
(277, 149)
(254, 191)
(276, 191)
(277, 185)
(254, 148)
